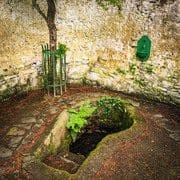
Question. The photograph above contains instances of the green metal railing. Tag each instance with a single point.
(54, 70)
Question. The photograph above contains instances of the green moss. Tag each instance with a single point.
(65, 143)
(51, 147)
(106, 3)
(47, 172)
(1, 77)
(101, 73)
(140, 82)
(149, 69)
(84, 80)
(6, 94)
(38, 154)
(132, 68)
(172, 77)
(121, 71)
(16, 90)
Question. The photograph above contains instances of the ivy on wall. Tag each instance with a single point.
(106, 3)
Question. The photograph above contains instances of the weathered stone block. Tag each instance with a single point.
(15, 132)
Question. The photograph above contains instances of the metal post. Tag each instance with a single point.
(65, 75)
(61, 73)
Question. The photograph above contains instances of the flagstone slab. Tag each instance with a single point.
(28, 120)
(14, 131)
(14, 142)
(5, 152)
(25, 126)
(53, 110)
(158, 116)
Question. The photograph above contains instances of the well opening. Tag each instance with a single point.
(109, 117)
(104, 116)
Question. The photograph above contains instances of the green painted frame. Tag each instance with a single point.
(143, 48)
(54, 70)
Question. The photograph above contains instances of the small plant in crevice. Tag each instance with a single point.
(62, 48)
(121, 71)
(84, 80)
(140, 82)
(132, 68)
(149, 69)
(78, 119)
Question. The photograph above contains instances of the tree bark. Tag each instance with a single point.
(52, 36)
(50, 21)
(51, 13)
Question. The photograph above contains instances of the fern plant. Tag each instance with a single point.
(78, 119)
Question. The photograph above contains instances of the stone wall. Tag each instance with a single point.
(21, 34)
(102, 46)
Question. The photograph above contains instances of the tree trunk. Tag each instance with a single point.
(52, 36)
(51, 13)
(50, 20)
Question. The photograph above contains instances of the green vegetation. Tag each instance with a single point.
(78, 120)
(112, 113)
(106, 3)
(140, 82)
(51, 147)
(149, 69)
(132, 68)
(62, 48)
(121, 71)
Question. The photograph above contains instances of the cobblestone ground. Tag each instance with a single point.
(24, 119)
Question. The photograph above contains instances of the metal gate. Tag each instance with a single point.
(54, 70)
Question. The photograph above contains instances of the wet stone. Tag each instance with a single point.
(28, 138)
(26, 154)
(35, 113)
(5, 152)
(15, 132)
(2, 171)
(64, 101)
(134, 103)
(37, 126)
(15, 173)
(166, 124)
(53, 110)
(72, 103)
(14, 142)
(160, 120)
(158, 116)
(28, 120)
(168, 129)
(40, 121)
(44, 115)
(165, 119)
(176, 136)
(28, 159)
(25, 126)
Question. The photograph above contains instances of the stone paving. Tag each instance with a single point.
(174, 132)
(29, 117)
